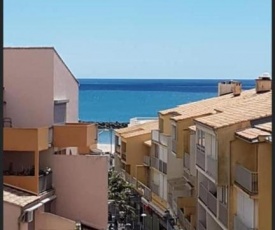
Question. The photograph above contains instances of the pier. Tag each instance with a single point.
(108, 124)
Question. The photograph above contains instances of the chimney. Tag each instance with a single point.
(263, 83)
(236, 88)
(228, 87)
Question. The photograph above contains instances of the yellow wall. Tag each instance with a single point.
(265, 185)
(75, 135)
(26, 139)
(136, 150)
(224, 136)
(142, 174)
(166, 123)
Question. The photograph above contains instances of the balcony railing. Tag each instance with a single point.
(25, 139)
(201, 226)
(146, 160)
(212, 203)
(82, 135)
(180, 216)
(118, 149)
(155, 135)
(200, 157)
(187, 224)
(212, 167)
(240, 225)
(155, 188)
(223, 213)
(203, 193)
(174, 146)
(246, 179)
(123, 156)
(186, 161)
(163, 139)
(155, 163)
(147, 193)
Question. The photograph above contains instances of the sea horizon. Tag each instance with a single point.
(119, 100)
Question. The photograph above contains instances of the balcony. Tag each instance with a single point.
(163, 139)
(186, 161)
(212, 165)
(223, 214)
(155, 163)
(29, 183)
(201, 226)
(239, 225)
(118, 149)
(174, 146)
(208, 198)
(246, 179)
(123, 156)
(212, 203)
(200, 157)
(184, 221)
(155, 136)
(146, 160)
(22, 139)
(145, 191)
(155, 188)
(203, 193)
(79, 135)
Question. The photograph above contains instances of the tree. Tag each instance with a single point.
(120, 192)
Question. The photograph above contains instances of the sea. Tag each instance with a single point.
(110, 100)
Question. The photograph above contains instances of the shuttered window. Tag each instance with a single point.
(60, 112)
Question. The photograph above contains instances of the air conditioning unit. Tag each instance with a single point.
(28, 216)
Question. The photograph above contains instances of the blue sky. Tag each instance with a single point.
(147, 38)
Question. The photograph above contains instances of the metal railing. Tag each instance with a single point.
(212, 203)
(118, 149)
(212, 167)
(201, 226)
(146, 160)
(147, 193)
(123, 156)
(223, 214)
(155, 162)
(180, 216)
(155, 135)
(186, 161)
(246, 178)
(203, 193)
(163, 139)
(155, 188)
(239, 225)
(200, 161)
(174, 146)
(187, 224)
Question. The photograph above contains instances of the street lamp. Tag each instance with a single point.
(142, 215)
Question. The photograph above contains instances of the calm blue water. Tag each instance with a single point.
(122, 99)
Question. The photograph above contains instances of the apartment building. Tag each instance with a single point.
(52, 180)
(192, 161)
(223, 163)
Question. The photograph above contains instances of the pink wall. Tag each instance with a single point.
(47, 221)
(33, 78)
(28, 86)
(81, 185)
(11, 214)
(66, 87)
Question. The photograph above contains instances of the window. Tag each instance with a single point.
(117, 141)
(201, 138)
(60, 112)
(174, 132)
